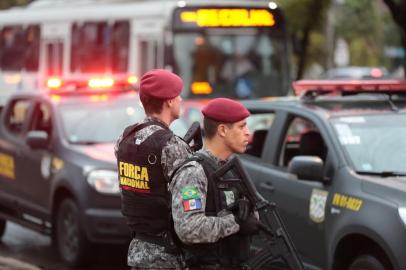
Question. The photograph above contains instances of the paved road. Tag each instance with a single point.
(33, 248)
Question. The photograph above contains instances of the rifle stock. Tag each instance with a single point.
(194, 134)
(277, 238)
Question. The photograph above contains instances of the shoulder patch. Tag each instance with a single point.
(190, 193)
(193, 204)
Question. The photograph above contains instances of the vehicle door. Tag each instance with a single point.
(13, 127)
(301, 203)
(37, 165)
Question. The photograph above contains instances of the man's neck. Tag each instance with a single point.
(164, 118)
(218, 149)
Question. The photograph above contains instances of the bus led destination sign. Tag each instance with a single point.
(227, 17)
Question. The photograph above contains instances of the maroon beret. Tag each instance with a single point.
(225, 110)
(160, 83)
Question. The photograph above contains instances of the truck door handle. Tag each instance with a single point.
(267, 186)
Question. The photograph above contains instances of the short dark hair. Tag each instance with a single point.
(210, 127)
(151, 104)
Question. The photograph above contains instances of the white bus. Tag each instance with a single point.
(226, 48)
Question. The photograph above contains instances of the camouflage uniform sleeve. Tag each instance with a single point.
(117, 144)
(193, 226)
(173, 154)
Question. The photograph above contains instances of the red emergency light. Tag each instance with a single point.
(303, 87)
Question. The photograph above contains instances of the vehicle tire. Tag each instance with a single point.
(72, 243)
(367, 262)
(3, 224)
(264, 260)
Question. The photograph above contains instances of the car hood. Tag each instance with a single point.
(103, 152)
(389, 188)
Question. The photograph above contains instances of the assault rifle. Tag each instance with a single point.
(194, 134)
(278, 244)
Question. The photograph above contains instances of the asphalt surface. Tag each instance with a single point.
(23, 249)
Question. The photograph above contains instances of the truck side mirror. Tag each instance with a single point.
(37, 139)
(307, 167)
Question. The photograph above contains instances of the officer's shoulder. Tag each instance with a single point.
(177, 141)
(127, 130)
(190, 162)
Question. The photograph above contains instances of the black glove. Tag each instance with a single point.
(250, 226)
(242, 209)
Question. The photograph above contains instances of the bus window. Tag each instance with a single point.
(12, 48)
(99, 47)
(32, 39)
(19, 48)
(121, 39)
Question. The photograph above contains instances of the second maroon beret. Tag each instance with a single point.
(225, 110)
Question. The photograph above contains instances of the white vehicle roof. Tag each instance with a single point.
(77, 10)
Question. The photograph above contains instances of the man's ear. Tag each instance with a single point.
(168, 103)
(222, 130)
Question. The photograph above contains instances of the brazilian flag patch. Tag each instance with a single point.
(189, 193)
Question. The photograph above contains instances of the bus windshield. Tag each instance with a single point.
(223, 56)
(245, 65)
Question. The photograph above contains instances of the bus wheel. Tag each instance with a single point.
(3, 224)
(367, 262)
(71, 238)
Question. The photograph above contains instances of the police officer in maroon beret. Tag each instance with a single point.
(147, 152)
(213, 237)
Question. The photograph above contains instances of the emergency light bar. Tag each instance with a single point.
(104, 83)
(319, 87)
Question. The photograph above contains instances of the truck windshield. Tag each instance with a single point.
(374, 143)
(103, 122)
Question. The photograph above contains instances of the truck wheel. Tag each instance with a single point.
(3, 224)
(366, 262)
(71, 238)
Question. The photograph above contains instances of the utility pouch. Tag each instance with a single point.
(171, 243)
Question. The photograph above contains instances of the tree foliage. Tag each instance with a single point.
(304, 17)
(398, 11)
(365, 26)
(4, 4)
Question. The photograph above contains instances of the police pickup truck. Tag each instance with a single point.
(333, 160)
(57, 166)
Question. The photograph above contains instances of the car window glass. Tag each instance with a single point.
(258, 125)
(302, 138)
(17, 115)
(42, 118)
(373, 143)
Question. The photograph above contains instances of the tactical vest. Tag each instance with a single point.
(145, 198)
(229, 252)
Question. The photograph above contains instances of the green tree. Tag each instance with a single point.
(4, 4)
(359, 23)
(398, 11)
(363, 24)
(303, 18)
